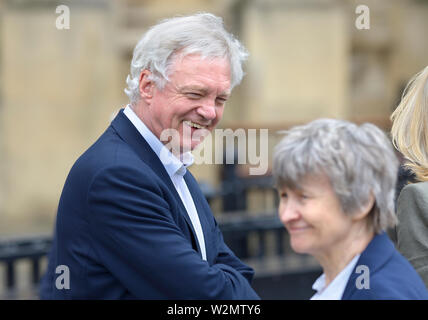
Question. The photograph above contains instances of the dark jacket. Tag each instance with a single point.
(123, 232)
(390, 275)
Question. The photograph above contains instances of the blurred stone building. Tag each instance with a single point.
(60, 87)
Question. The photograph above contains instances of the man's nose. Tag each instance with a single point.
(207, 111)
(288, 212)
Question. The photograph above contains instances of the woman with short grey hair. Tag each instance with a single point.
(336, 182)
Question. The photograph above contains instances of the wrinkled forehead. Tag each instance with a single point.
(197, 71)
(181, 58)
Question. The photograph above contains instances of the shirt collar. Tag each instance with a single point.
(335, 289)
(172, 164)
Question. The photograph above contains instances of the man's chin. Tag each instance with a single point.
(189, 148)
(184, 148)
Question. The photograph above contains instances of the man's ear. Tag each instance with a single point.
(146, 86)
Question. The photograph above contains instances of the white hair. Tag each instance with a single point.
(202, 34)
(358, 160)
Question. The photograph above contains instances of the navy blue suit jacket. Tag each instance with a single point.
(123, 231)
(391, 276)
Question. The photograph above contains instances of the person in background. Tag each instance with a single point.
(132, 222)
(409, 134)
(336, 183)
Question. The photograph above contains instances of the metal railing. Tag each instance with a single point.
(258, 238)
(32, 249)
(259, 241)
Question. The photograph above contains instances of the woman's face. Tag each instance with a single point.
(313, 216)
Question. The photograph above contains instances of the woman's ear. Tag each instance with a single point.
(146, 85)
(364, 211)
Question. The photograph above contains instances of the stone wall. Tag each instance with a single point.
(59, 88)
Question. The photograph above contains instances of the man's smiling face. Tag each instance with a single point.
(192, 99)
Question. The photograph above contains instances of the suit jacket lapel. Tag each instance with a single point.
(198, 197)
(126, 130)
(201, 208)
(377, 253)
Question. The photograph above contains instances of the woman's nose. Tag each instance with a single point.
(288, 211)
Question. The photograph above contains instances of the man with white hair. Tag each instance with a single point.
(132, 221)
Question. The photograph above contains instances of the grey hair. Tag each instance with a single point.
(358, 161)
(202, 34)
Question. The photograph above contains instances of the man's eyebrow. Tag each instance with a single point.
(224, 94)
(193, 88)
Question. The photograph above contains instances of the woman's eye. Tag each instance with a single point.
(283, 195)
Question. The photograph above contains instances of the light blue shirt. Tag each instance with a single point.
(176, 170)
(334, 291)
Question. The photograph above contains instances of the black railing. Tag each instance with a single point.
(235, 191)
(31, 249)
(240, 228)
(259, 239)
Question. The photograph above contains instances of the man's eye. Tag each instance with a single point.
(193, 95)
(283, 195)
(221, 100)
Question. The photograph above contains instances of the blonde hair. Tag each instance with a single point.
(410, 125)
